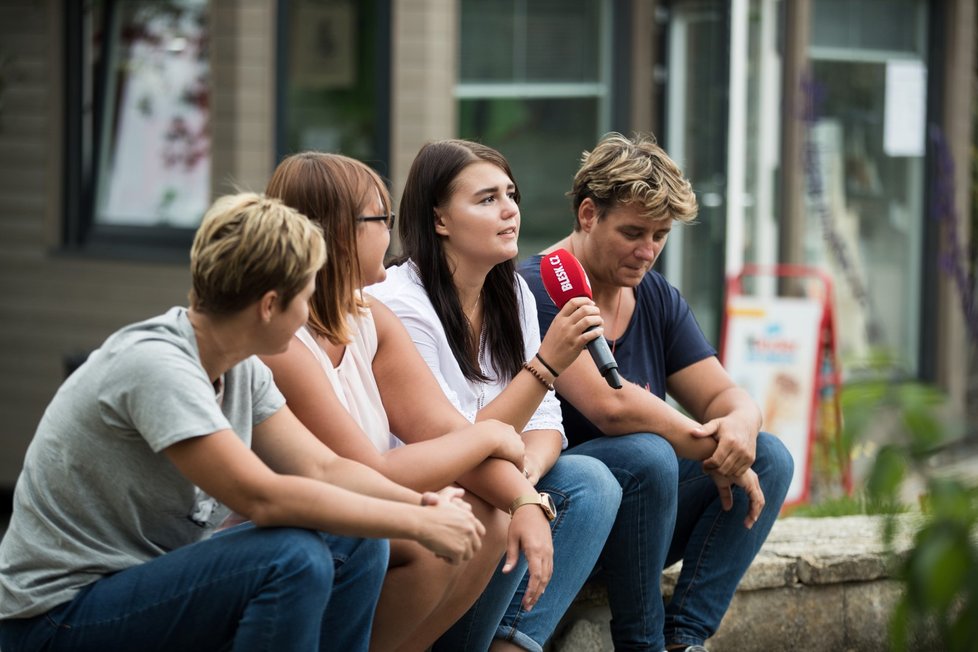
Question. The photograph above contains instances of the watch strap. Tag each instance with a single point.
(533, 499)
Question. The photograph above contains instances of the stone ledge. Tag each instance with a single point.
(817, 584)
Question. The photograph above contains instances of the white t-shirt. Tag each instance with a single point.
(404, 294)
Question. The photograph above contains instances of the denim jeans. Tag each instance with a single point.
(245, 588)
(671, 510)
(587, 498)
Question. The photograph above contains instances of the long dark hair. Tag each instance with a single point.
(430, 184)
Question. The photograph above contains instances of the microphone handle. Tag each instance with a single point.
(605, 361)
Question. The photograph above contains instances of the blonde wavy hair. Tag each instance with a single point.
(621, 170)
(247, 245)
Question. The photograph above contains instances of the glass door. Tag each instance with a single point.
(865, 169)
(722, 127)
(696, 138)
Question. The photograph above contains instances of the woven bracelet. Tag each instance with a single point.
(538, 376)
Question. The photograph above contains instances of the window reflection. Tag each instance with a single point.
(337, 74)
(154, 152)
(534, 84)
(865, 173)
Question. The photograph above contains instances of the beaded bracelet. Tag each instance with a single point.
(552, 371)
(538, 376)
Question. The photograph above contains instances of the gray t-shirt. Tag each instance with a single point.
(96, 495)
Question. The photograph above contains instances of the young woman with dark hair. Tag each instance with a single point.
(474, 322)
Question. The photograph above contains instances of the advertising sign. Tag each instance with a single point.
(771, 349)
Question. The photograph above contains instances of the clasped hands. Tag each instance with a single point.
(730, 464)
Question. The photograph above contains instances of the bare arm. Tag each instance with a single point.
(424, 466)
(631, 409)
(251, 488)
(566, 337)
(705, 389)
(708, 392)
(419, 411)
(284, 444)
(521, 399)
(542, 450)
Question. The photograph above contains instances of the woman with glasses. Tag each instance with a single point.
(353, 378)
(475, 323)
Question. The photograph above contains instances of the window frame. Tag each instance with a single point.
(382, 84)
(611, 92)
(81, 233)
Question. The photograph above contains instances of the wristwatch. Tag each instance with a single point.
(544, 500)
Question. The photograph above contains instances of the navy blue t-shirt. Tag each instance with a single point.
(661, 338)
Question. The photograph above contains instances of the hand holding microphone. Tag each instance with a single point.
(564, 279)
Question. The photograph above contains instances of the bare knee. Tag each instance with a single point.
(414, 559)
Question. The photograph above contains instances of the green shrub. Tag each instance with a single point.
(940, 573)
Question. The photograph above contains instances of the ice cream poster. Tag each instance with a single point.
(770, 349)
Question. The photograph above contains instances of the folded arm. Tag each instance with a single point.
(303, 484)
(419, 411)
(631, 409)
(425, 466)
(708, 392)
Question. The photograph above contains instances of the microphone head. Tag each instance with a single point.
(563, 277)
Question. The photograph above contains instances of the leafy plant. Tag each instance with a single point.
(940, 573)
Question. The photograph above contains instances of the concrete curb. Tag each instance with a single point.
(817, 584)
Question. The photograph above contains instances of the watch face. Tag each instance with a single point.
(549, 508)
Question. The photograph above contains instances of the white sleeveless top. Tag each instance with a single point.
(353, 378)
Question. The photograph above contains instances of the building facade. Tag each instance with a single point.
(834, 133)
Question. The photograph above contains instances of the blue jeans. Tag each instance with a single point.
(587, 498)
(246, 588)
(670, 510)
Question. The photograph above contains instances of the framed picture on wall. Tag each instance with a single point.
(324, 43)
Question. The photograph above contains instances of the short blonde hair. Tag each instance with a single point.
(247, 245)
(620, 171)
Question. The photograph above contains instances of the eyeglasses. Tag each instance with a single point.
(388, 220)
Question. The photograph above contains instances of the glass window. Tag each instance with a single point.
(154, 162)
(696, 137)
(534, 83)
(521, 40)
(336, 96)
(865, 169)
(893, 25)
(138, 124)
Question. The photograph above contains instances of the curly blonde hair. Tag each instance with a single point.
(247, 245)
(621, 170)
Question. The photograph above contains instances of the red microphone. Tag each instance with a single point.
(563, 279)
